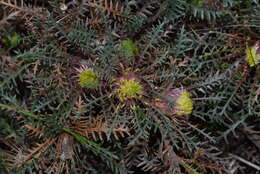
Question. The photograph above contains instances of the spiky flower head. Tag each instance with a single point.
(183, 104)
(87, 77)
(129, 88)
(253, 55)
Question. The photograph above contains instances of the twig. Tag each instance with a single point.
(245, 161)
(10, 16)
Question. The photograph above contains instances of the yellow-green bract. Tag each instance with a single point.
(252, 57)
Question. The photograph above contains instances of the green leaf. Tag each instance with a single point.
(94, 147)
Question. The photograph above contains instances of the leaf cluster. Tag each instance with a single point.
(51, 123)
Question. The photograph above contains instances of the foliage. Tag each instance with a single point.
(128, 86)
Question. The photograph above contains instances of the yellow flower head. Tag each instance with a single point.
(184, 104)
(129, 88)
(87, 77)
(252, 57)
